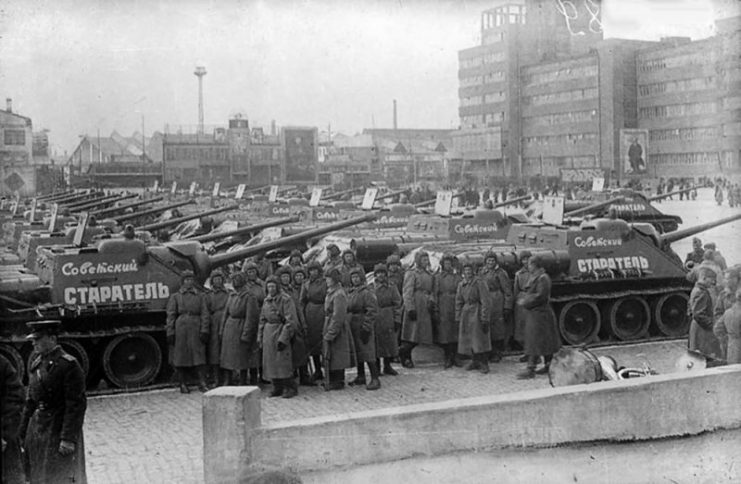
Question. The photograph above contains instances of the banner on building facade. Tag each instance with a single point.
(634, 151)
(300, 155)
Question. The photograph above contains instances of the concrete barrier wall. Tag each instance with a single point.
(638, 409)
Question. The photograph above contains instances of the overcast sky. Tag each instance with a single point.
(74, 66)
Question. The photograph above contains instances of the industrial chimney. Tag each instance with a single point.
(9, 104)
(200, 72)
(396, 126)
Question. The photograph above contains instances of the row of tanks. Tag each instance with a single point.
(611, 278)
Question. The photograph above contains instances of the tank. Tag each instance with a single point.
(129, 217)
(102, 203)
(627, 205)
(121, 208)
(611, 279)
(112, 299)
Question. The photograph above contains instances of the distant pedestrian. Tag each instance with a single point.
(541, 330)
(700, 310)
(11, 406)
(472, 305)
(53, 416)
(187, 328)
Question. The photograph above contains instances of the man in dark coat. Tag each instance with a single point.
(396, 272)
(11, 405)
(256, 289)
(216, 298)
(697, 252)
(522, 276)
(700, 309)
(187, 328)
(51, 425)
(541, 330)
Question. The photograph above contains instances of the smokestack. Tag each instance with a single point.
(199, 73)
(396, 126)
(272, 128)
(9, 104)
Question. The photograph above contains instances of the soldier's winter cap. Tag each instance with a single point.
(272, 280)
(380, 268)
(333, 248)
(187, 273)
(335, 275)
(41, 328)
(709, 246)
(393, 259)
(314, 265)
(525, 254)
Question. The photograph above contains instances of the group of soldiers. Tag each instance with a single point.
(715, 305)
(307, 323)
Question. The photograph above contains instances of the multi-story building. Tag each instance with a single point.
(689, 100)
(16, 137)
(196, 157)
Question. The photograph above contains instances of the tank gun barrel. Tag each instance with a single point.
(245, 230)
(106, 211)
(690, 231)
(512, 201)
(669, 194)
(428, 203)
(333, 196)
(107, 201)
(224, 259)
(76, 197)
(53, 196)
(84, 201)
(391, 194)
(594, 206)
(176, 221)
(151, 211)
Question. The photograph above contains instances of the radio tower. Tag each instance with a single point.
(200, 72)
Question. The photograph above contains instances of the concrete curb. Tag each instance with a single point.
(637, 409)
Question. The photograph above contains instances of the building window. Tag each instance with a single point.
(15, 137)
(565, 73)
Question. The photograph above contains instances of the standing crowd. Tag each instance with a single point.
(306, 324)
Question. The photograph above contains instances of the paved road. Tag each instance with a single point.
(157, 436)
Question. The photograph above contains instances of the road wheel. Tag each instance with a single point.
(579, 322)
(132, 360)
(670, 314)
(630, 318)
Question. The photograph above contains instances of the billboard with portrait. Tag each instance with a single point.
(300, 155)
(634, 151)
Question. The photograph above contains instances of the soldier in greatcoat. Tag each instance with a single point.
(349, 264)
(187, 328)
(388, 322)
(295, 260)
(256, 288)
(238, 344)
(216, 298)
(53, 416)
(522, 276)
(472, 305)
(416, 326)
(542, 337)
(396, 272)
(298, 341)
(725, 300)
(500, 291)
(278, 325)
(338, 351)
(304, 369)
(362, 306)
(311, 305)
(728, 330)
(334, 261)
(700, 309)
(445, 286)
(11, 407)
